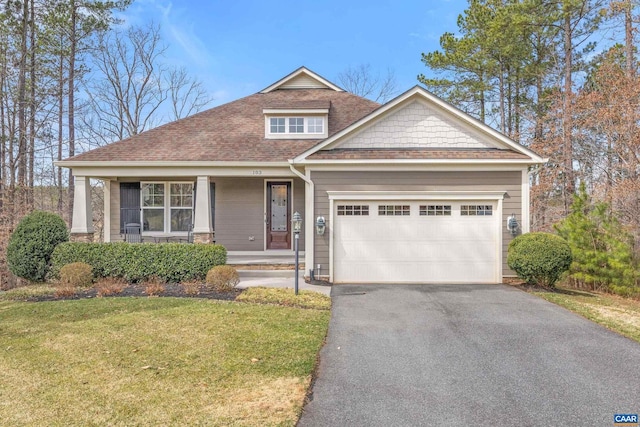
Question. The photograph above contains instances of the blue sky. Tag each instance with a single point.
(239, 47)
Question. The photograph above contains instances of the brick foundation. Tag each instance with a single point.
(81, 237)
(202, 238)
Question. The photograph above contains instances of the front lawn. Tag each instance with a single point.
(616, 313)
(155, 361)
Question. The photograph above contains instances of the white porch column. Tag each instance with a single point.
(82, 220)
(106, 221)
(202, 213)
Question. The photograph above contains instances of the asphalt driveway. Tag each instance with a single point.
(481, 355)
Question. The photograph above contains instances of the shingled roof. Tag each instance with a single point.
(234, 131)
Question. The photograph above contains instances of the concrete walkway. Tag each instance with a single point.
(467, 355)
(281, 282)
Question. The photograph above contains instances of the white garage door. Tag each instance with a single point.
(415, 242)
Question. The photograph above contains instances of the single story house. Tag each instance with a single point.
(411, 191)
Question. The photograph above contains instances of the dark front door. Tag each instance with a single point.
(278, 221)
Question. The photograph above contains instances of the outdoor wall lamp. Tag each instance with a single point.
(512, 224)
(321, 225)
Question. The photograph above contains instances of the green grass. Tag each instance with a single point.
(155, 361)
(286, 297)
(618, 314)
(23, 293)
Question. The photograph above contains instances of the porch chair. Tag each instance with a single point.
(189, 238)
(132, 233)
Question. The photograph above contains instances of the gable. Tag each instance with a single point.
(303, 81)
(417, 125)
(423, 124)
(302, 78)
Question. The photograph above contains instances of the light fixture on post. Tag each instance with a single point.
(296, 222)
(321, 225)
(512, 224)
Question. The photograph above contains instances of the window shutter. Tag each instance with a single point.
(129, 203)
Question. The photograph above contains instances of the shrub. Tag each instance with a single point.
(110, 286)
(191, 287)
(64, 291)
(32, 243)
(223, 278)
(170, 262)
(603, 256)
(154, 286)
(77, 275)
(539, 258)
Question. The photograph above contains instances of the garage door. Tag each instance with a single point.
(415, 242)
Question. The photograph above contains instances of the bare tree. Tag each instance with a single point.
(186, 94)
(131, 91)
(361, 81)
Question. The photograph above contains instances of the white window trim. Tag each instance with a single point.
(167, 209)
(296, 135)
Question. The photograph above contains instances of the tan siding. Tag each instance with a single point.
(415, 181)
(303, 82)
(115, 212)
(240, 212)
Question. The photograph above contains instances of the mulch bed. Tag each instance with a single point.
(138, 290)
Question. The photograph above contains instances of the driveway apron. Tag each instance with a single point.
(481, 355)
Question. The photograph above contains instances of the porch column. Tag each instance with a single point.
(202, 213)
(82, 220)
(106, 221)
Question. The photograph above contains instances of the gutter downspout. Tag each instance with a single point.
(309, 210)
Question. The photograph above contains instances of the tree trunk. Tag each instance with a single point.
(71, 100)
(32, 114)
(60, 127)
(22, 103)
(628, 38)
(567, 125)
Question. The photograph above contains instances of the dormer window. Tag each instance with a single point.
(296, 125)
(277, 124)
(315, 125)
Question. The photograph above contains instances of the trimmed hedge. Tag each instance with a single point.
(31, 244)
(539, 258)
(171, 262)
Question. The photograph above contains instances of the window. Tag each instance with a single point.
(167, 207)
(394, 210)
(315, 125)
(181, 205)
(476, 210)
(435, 210)
(153, 207)
(277, 125)
(353, 210)
(302, 127)
(296, 125)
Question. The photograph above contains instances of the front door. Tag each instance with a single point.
(278, 221)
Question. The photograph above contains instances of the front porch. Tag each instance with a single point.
(246, 214)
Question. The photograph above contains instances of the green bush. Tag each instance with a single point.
(31, 244)
(76, 275)
(135, 262)
(539, 258)
(603, 253)
(223, 278)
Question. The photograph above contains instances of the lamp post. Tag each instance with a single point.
(297, 226)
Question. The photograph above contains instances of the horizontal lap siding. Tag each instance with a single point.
(115, 212)
(415, 181)
(240, 211)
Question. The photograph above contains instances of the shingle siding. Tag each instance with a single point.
(418, 125)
